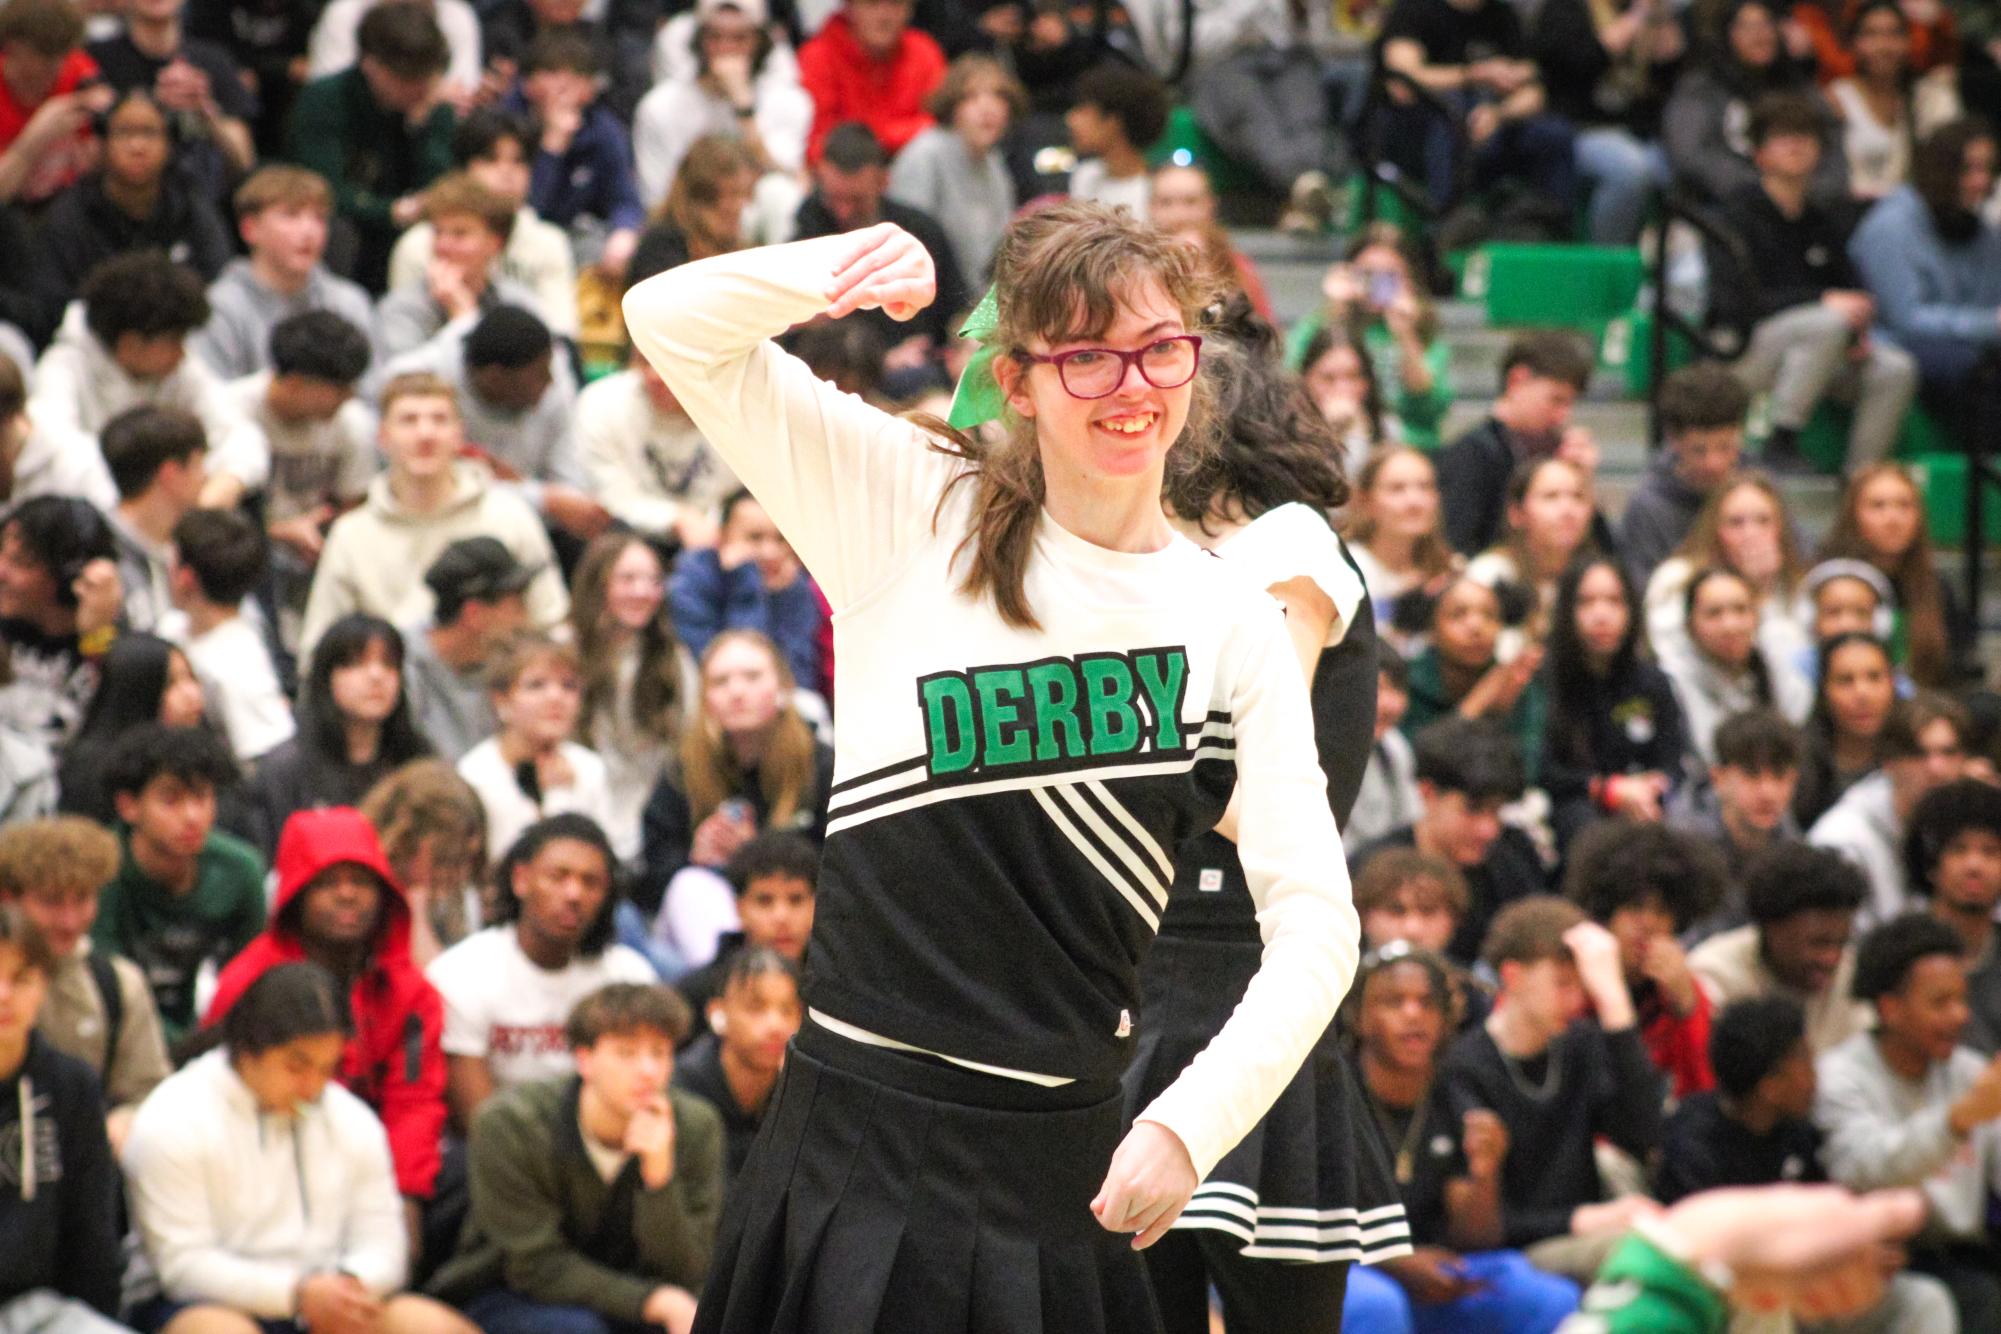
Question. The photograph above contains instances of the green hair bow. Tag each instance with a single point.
(978, 399)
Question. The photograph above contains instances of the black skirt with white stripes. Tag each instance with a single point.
(893, 1193)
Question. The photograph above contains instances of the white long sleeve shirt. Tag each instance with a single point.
(1004, 798)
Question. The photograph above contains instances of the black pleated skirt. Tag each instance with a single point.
(1313, 1180)
(890, 1193)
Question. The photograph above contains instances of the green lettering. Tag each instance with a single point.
(1163, 675)
(1005, 735)
(1108, 689)
(1052, 693)
(948, 722)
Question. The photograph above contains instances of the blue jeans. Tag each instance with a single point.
(1539, 152)
(504, 1312)
(631, 926)
(1624, 174)
(1518, 1299)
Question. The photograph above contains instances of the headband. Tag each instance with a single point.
(1829, 570)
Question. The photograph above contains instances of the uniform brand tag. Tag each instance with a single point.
(1211, 880)
(1125, 1024)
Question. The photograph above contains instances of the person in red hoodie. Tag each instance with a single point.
(1646, 884)
(868, 64)
(340, 906)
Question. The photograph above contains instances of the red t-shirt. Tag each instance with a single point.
(66, 161)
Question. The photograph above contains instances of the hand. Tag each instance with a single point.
(1612, 1216)
(1483, 1138)
(181, 87)
(1810, 1249)
(1857, 308)
(57, 119)
(336, 1304)
(1401, 315)
(100, 596)
(617, 252)
(1638, 796)
(695, 530)
(673, 1309)
(649, 1137)
(1149, 1184)
(1579, 450)
(1433, 1276)
(1002, 23)
(1666, 965)
(304, 533)
(718, 837)
(1343, 287)
(882, 268)
(450, 288)
(1596, 952)
(561, 119)
(574, 512)
(1483, 122)
(732, 75)
(1980, 1103)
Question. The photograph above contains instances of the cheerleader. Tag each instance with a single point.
(1043, 688)
(1310, 1190)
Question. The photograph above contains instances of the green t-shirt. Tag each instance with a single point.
(170, 935)
(1422, 416)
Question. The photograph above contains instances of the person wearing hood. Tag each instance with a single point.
(868, 64)
(1702, 411)
(340, 905)
(283, 214)
(375, 557)
(59, 1252)
(123, 345)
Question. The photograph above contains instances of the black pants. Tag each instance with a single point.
(1973, 1273)
(1259, 1296)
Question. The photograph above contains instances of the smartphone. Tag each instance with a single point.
(1384, 288)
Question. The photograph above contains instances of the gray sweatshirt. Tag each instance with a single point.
(243, 311)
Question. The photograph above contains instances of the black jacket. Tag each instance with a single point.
(83, 228)
(1793, 260)
(668, 827)
(62, 1231)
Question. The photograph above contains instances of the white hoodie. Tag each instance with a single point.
(236, 1206)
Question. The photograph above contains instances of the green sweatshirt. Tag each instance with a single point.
(546, 1226)
(1644, 1290)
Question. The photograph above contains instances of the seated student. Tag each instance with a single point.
(282, 214)
(136, 200)
(1810, 319)
(222, 560)
(955, 171)
(1923, 746)
(507, 988)
(331, 47)
(1542, 375)
(1613, 742)
(1402, 1012)
(262, 1190)
(98, 1008)
(494, 147)
(1117, 115)
(1954, 852)
(124, 345)
(1466, 772)
(1561, 1063)
(156, 457)
(434, 834)
(531, 768)
(469, 227)
(141, 679)
(773, 876)
(1403, 894)
(186, 894)
(1844, 596)
(869, 64)
(1908, 1105)
(595, 1195)
(517, 396)
(1855, 689)
(1882, 525)
(1548, 527)
(48, 129)
(375, 556)
(751, 579)
(1388, 797)
(1798, 944)
(1724, 671)
(1747, 804)
(199, 81)
(1702, 411)
(377, 131)
(476, 586)
(1460, 672)
(339, 906)
(1646, 883)
(1757, 1129)
(735, 1066)
(60, 1257)
(646, 461)
(582, 177)
(60, 599)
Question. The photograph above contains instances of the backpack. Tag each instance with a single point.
(113, 999)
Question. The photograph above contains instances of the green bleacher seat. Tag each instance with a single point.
(1226, 176)
(1825, 439)
(1942, 478)
(1555, 286)
(1624, 346)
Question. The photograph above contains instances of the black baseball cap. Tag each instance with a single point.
(477, 569)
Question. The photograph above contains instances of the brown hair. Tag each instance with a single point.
(627, 1007)
(282, 183)
(698, 183)
(1060, 274)
(970, 74)
(421, 800)
(19, 930)
(1703, 547)
(66, 852)
(52, 28)
(418, 384)
(1530, 930)
(1432, 553)
(1392, 237)
(1927, 646)
(1903, 729)
(1395, 870)
(710, 774)
(657, 703)
(460, 194)
(524, 652)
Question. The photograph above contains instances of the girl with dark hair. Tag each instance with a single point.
(141, 679)
(1613, 744)
(1882, 522)
(1379, 291)
(1043, 689)
(287, 1167)
(1851, 702)
(1460, 670)
(1261, 501)
(1341, 380)
(1549, 517)
(1876, 99)
(355, 726)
